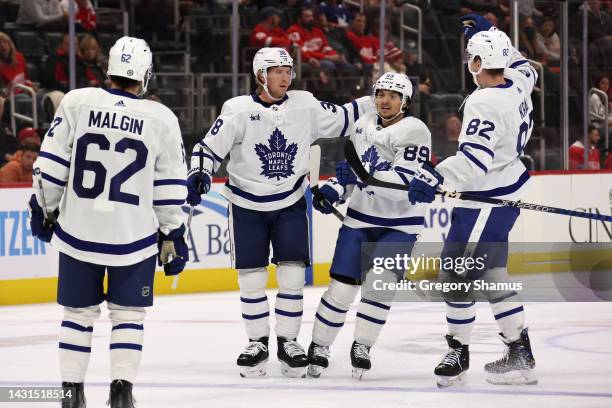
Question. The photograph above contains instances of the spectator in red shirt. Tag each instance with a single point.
(85, 16)
(366, 45)
(268, 32)
(314, 47)
(13, 68)
(576, 152)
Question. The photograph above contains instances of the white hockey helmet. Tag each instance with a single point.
(393, 81)
(493, 47)
(269, 57)
(131, 58)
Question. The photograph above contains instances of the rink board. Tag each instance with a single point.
(28, 268)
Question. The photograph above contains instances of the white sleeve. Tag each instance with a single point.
(169, 186)
(527, 75)
(479, 135)
(412, 148)
(338, 120)
(217, 142)
(54, 159)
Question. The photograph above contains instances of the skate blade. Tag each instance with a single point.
(293, 372)
(314, 370)
(444, 381)
(258, 370)
(358, 373)
(516, 377)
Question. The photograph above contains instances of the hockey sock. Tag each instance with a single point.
(332, 311)
(75, 342)
(371, 317)
(254, 302)
(506, 306)
(289, 305)
(126, 341)
(460, 317)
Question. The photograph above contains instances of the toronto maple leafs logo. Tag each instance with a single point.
(370, 160)
(277, 158)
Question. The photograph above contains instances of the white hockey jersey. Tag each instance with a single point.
(117, 164)
(394, 154)
(497, 124)
(269, 145)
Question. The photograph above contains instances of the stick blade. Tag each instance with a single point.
(354, 161)
(314, 165)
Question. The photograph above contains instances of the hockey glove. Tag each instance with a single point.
(173, 252)
(327, 199)
(424, 184)
(345, 174)
(41, 228)
(198, 183)
(473, 23)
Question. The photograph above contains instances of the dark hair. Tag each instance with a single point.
(592, 128)
(496, 71)
(303, 9)
(124, 83)
(29, 148)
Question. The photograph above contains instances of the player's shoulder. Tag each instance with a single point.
(301, 96)
(490, 99)
(78, 96)
(157, 109)
(411, 127)
(238, 104)
(366, 118)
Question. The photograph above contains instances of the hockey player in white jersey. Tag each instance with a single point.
(268, 137)
(394, 145)
(113, 166)
(497, 124)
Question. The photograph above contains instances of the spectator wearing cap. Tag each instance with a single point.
(85, 15)
(19, 169)
(394, 61)
(42, 13)
(268, 32)
(335, 12)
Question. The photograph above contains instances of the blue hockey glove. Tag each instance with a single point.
(329, 197)
(345, 174)
(198, 183)
(473, 23)
(40, 227)
(173, 252)
(424, 184)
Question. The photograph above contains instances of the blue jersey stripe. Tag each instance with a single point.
(327, 322)
(332, 307)
(75, 326)
(474, 160)
(477, 146)
(461, 305)
(128, 346)
(132, 326)
(519, 62)
(256, 300)
(384, 222)
(288, 314)
(73, 347)
(219, 159)
(501, 191)
(508, 313)
(370, 319)
(53, 180)
(289, 296)
(255, 317)
(404, 170)
(54, 158)
(346, 121)
(103, 248)
(460, 321)
(169, 182)
(168, 202)
(373, 303)
(355, 110)
(265, 198)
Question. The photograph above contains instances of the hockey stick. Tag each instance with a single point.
(189, 218)
(355, 162)
(315, 164)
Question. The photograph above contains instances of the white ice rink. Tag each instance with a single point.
(191, 344)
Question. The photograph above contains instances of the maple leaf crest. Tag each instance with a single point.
(276, 158)
(370, 159)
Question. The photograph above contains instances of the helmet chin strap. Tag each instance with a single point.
(401, 111)
(475, 74)
(265, 87)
